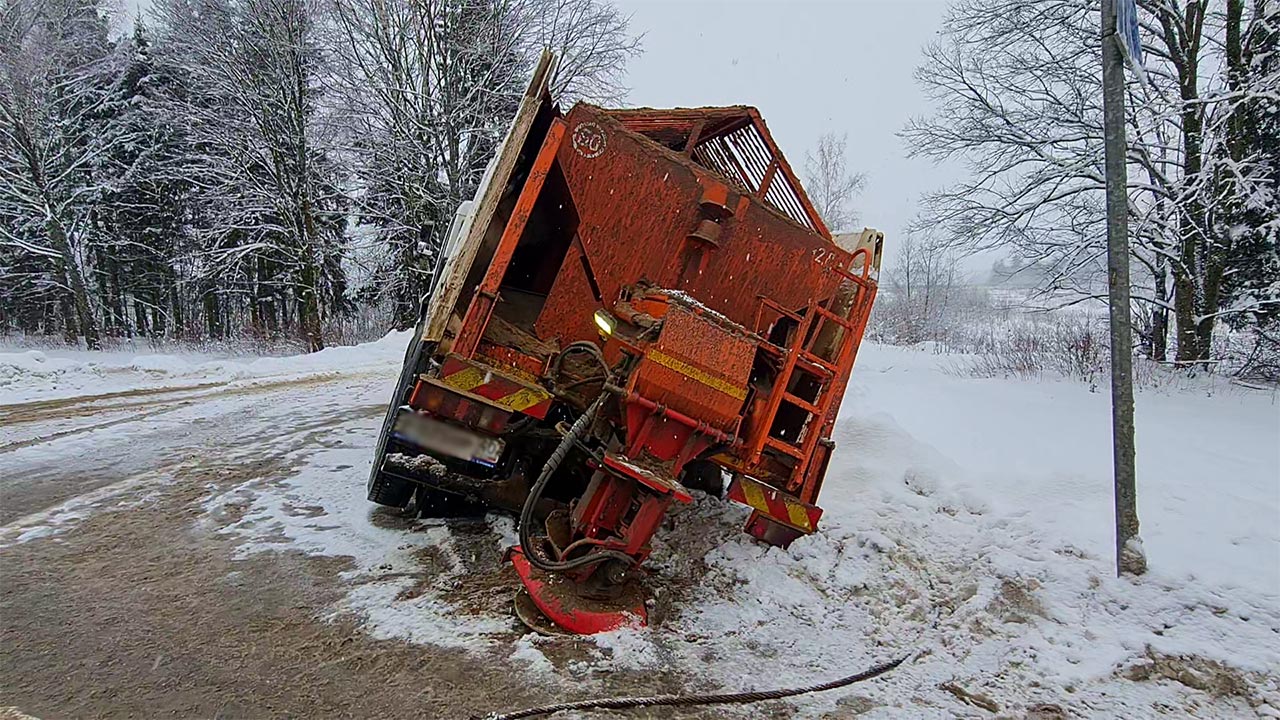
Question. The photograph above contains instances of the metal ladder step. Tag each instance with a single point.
(800, 403)
(814, 364)
(784, 446)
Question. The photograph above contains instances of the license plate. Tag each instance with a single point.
(440, 437)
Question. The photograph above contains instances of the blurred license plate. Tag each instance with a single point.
(446, 439)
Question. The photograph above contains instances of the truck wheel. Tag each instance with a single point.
(389, 491)
(431, 503)
(382, 489)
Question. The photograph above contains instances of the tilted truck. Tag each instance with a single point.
(637, 302)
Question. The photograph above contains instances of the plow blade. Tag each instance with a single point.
(568, 607)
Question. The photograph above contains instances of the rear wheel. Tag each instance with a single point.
(432, 503)
(382, 488)
(390, 491)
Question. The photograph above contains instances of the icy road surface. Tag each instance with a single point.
(188, 537)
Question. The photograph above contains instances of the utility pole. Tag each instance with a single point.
(1129, 554)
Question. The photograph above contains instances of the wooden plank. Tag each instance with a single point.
(492, 187)
(486, 297)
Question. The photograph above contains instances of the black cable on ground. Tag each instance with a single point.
(740, 698)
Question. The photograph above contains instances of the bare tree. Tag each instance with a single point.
(830, 184)
(921, 282)
(1017, 89)
(427, 89)
(591, 40)
(421, 90)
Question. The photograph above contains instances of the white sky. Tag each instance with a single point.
(810, 67)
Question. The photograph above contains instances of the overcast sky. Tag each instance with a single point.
(810, 67)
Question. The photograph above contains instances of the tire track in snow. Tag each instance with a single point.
(38, 440)
(60, 465)
(186, 396)
(35, 411)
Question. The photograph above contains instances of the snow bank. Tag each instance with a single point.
(44, 375)
(32, 368)
(967, 524)
(1208, 465)
(908, 563)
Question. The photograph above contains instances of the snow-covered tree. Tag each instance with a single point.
(56, 68)
(428, 87)
(143, 212)
(1017, 89)
(205, 175)
(1248, 170)
(272, 208)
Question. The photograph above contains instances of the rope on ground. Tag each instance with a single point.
(680, 700)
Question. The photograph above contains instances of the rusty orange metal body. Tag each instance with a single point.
(641, 206)
(680, 245)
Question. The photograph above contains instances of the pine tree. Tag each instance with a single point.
(272, 232)
(143, 206)
(1251, 174)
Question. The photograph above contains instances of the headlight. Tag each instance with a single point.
(605, 322)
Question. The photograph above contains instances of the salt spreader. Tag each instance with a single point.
(637, 303)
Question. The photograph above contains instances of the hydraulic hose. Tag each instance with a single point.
(579, 427)
(581, 346)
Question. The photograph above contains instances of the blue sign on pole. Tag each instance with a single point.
(1127, 31)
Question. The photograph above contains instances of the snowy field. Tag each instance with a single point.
(968, 524)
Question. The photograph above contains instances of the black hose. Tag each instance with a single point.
(583, 381)
(739, 698)
(579, 427)
(581, 346)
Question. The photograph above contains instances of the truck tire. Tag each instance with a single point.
(381, 488)
(389, 491)
(703, 475)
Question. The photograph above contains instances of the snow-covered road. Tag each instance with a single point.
(967, 521)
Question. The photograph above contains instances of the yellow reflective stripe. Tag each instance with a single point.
(798, 516)
(755, 496)
(522, 399)
(797, 513)
(466, 379)
(470, 378)
(693, 373)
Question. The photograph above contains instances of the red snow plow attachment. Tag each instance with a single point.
(638, 301)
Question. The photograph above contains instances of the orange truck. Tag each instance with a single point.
(637, 303)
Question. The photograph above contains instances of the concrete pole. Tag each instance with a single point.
(1129, 555)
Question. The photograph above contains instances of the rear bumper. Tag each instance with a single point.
(505, 494)
(483, 384)
(779, 518)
